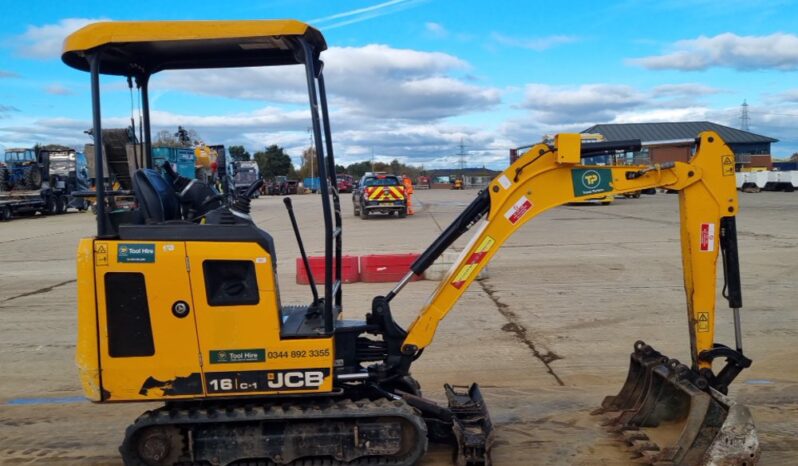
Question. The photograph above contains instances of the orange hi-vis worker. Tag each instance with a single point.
(408, 194)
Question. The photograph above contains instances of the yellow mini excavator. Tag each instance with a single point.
(178, 299)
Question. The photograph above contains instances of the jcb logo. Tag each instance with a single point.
(591, 179)
(297, 379)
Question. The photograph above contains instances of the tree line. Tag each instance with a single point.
(273, 161)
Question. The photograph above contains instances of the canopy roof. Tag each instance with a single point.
(137, 47)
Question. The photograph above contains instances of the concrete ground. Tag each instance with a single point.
(547, 335)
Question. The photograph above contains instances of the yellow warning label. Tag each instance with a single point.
(728, 165)
(473, 262)
(703, 322)
(100, 254)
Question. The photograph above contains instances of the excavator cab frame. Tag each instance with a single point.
(138, 50)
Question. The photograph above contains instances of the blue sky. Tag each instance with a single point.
(410, 79)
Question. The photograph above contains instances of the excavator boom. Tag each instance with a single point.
(659, 390)
(547, 177)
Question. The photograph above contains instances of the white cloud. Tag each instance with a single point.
(588, 104)
(553, 109)
(585, 103)
(775, 51)
(374, 81)
(790, 95)
(8, 74)
(684, 90)
(533, 43)
(436, 29)
(45, 42)
(654, 115)
(354, 137)
(58, 89)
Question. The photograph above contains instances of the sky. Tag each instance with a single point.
(416, 79)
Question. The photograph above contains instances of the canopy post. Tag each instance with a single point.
(94, 69)
(310, 72)
(145, 103)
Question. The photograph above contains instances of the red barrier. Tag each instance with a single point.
(375, 268)
(349, 270)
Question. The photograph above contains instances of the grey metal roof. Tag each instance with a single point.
(652, 132)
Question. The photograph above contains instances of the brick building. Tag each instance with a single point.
(664, 142)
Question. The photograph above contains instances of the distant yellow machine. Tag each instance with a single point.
(178, 298)
(205, 162)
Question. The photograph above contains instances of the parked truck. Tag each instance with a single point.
(41, 181)
(244, 174)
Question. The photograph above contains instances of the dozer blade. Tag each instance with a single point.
(465, 423)
(471, 426)
(667, 415)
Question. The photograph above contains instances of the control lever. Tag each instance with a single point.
(290, 207)
(241, 204)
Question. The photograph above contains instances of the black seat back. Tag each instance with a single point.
(157, 199)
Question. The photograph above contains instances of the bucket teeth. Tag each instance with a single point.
(663, 395)
(630, 436)
(640, 446)
(651, 456)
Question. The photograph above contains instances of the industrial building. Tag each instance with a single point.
(442, 178)
(666, 142)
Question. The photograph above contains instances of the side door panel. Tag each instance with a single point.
(239, 320)
(148, 339)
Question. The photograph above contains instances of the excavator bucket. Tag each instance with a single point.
(667, 415)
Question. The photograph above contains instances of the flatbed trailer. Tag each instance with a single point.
(45, 201)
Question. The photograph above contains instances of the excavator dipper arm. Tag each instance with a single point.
(550, 176)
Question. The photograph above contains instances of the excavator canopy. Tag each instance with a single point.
(147, 47)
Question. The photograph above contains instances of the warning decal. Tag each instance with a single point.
(728, 165)
(703, 322)
(707, 237)
(472, 262)
(100, 254)
(518, 210)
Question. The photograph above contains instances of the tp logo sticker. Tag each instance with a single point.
(591, 181)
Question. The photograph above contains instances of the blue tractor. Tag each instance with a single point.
(20, 170)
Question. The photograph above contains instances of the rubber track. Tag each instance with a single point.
(233, 412)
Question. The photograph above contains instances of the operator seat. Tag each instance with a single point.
(157, 199)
